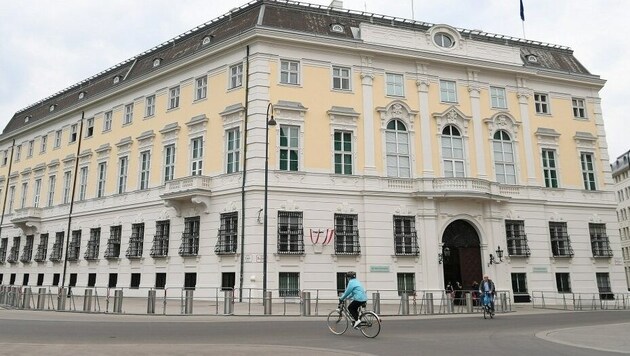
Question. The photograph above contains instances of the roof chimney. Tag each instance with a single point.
(336, 4)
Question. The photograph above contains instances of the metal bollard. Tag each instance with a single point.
(503, 298)
(87, 300)
(41, 298)
(404, 303)
(61, 299)
(450, 308)
(151, 301)
(469, 302)
(228, 302)
(429, 302)
(267, 302)
(376, 302)
(118, 301)
(26, 298)
(306, 303)
(188, 302)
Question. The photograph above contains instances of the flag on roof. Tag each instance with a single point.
(522, 11)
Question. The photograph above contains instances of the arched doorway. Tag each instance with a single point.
(462, 263)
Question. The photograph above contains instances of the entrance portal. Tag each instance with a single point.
(463, 262)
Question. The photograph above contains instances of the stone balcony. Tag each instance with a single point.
(27, 219)
(188, 191)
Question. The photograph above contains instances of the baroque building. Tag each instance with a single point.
(415, 154)
(620, 175)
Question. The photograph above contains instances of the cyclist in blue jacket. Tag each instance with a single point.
(356, 292)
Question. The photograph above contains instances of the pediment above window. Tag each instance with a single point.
(585, 140)
(233, 115)
(68, 162)
(85, 156)
(547, 137)
(197, 124)
(289, 111)
(399, 110)
(343, 117)
(124, 145)
(503, 121)
(145, 140)
(452, 116)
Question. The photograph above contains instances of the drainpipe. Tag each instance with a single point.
(240, 281)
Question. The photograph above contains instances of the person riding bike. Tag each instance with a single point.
(356, 292)
(486, 287)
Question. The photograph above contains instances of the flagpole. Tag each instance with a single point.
(523, 22)
(522, 10)
(413, 17)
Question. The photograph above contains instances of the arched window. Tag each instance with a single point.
(452, 152)
(397, 146)
(504, 158)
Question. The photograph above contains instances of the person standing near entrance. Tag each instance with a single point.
(487, 286)
(356, 292)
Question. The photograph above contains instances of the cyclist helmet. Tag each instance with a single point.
(351, 274)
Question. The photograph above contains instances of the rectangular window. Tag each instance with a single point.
(57, 248)
(160, 280)
(136, 241)
(394, 84)
(289, 72)
(541, 102)
(107, 121)
(128, 117)
(73, 133)
(236, 76)
(343, 152)
(341, 283)
(603, 286)
(169, 162)
(233, 150)
(550, 171)
(67, 184)
(38, 191)
(102, 172)
(190, 237)
(25, 279)
(42, 248)
(600, 245)
(190, 280)
(516, 238)
(4, 242)
(448, 91)
(405, 236)
(497, 98)
(149, 106)
(228, 280)
(44, 142)
(406, 283)
(56, 278)
(196, 156)
(560, 240)
(123, 163)
(579, 110)
(173, 98)
(91, 279)
(27, 253)
(341, 78)
(74, 247)
(11, 198)
(24, 193)
(289, 284)
(5, 158)
(83, 183)
(91, 253)
(161, 238)
(15, 250)
(145, 169)
(519, 283)
(51, 189)
(113, 243)
(40, 279)
(113, 280)
(289, 147)
(89, 131)
(201, 88)
(347, 234)
(31, 144)
(18, 152)
(57, 139)
(563, 282)
(135, 281)
(228, 234)
(290, 232)
(588, 170)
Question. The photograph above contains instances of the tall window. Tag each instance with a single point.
(233, 150)
(541, 103)
(394, 84)
(4, 242)
(149, 106)
(236, 76)
(560, 240)
(74, 247)
(190, 237)
(123, 163)
(397, 146)
(579, 109)
(196, 156)
(18, 152)
(448, 91)
(173, 98)
(201, 88)
(57, 138)
(290, 232)
(44, 142)
(228, 234)
(89, 127)
(289, 284)
(107, 121)
(516, 238)
(136, 241)
(83, 183)
(113, 243)
(289, 72)
(289, 147)
(27, 253)
(128, 118)
(57, 248)
(169, 162)
(145, 159)
(161, 238)
(42, 248)
(603, 286)
(550, 172)
(600, 245)
(38, 191)
(452, 152)
(73, 133)
(11, 197)
(406, 283)
(91, 253)
(343, 152)
(347, 234)
(24, 193)
(67, 183)
(504, 158)
(51, 189)
(519, 283)
(102, 174)
(563, 282)
(341, 78)
(31, 144)
(588, 170)
(497, 98)
(405, 236)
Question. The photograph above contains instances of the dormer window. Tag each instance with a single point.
(27, 118)
(116, 79)
(337, 28)
(532, 58)
(443, 40)
(156, 62)
(81, 95)
(52, 108)
(205, 41)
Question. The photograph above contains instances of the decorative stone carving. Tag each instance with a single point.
(397, 110)
(503, 121)
(452, 116)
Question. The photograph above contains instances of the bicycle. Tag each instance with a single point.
(339, 319)
(486, 305)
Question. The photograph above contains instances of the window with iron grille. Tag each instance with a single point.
(27, 253)
(560, 241)
(405, 236)
(91, 253)
(289, 284)
(516, 238)
(57, 248)
(406, 283)
(160, 240)
(347, 234)
(228, 233)
(519, 283)
(136, 241)
(113, 243)
(15, 250)
(3, 249)
(42, 248)
(290, 232)
(600, 244)
(563, 282)
(603, 286)
(74, 246)
(190, 237)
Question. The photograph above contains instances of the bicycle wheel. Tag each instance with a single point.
(370, 324)
(337, 322)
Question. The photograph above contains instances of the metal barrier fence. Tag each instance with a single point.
(581, 301)
(248, 301)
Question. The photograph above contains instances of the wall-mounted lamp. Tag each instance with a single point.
(499, 255)
(446, 253)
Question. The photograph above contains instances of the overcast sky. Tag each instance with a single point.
(49, 45)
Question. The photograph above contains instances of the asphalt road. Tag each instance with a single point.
(49, 333)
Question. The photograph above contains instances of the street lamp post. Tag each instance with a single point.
(268, 122)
